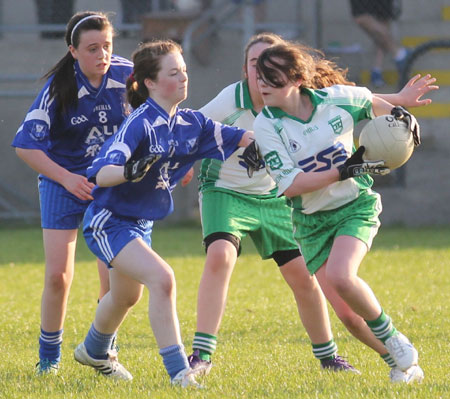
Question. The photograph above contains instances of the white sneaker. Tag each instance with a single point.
(413, 374)
(402, 351)
(185, 378)
(110, 367)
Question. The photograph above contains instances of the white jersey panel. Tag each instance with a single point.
(232, 173)
(291, 146)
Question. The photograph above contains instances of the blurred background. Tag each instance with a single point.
(412, 38)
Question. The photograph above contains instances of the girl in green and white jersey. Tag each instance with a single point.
(305, 136)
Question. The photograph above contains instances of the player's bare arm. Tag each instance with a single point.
(76, 184)
(311, 181)
(381, 106)
(411, 94)
(110, 175)
(246, 139)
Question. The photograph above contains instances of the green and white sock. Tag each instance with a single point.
(325, 351)
(389, 360)
(206, 345)
(382, 327)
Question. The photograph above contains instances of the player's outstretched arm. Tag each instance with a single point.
(411, 94)
(110, 175)
(133, 171)
(247, 138)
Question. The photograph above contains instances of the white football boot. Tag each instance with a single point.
(186, 378)
(402, 351)
(110, 367)
(413, 374)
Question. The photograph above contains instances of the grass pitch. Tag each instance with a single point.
(263, 350)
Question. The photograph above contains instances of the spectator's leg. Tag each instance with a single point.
(379, 31)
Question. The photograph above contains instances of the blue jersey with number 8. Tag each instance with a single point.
(74, 138)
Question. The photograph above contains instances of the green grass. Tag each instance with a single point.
(263, 350)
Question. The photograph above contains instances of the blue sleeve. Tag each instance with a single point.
(34, 132)
(217, 141)
(120, 147)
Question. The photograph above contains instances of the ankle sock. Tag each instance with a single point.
(50, 345)
(206, 345)
(382, 327)
(325, 351)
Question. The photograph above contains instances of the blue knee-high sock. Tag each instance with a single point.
(98, 344)
(174, 359)
(50, 345)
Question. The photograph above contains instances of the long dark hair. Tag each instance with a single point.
(64, 86)
(147, 64)
(297, 61)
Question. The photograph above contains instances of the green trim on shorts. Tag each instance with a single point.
(316, 232)
(266, 219)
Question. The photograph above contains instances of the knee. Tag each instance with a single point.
(58, 281)
(350, 319)
(305, 285)
(220, 257)
(363, 20)
(165, 283)
(342, 284)
(127, 301)
(132, 299)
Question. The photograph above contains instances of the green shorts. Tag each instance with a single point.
(316, 232)
(266, 219)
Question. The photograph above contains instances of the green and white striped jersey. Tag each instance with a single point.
(291, 146)
(233, 106)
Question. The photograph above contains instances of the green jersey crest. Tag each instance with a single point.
(336, 124)
(273, 160)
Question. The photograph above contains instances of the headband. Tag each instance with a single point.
(80, 22)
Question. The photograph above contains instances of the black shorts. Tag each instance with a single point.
(380, 9)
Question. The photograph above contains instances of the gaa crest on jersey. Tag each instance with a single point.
(336, 124)
(192, 145)
(39, 131)
(294, 146)
(273, 160)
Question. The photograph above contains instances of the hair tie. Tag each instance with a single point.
(131, 77)
(80, 22)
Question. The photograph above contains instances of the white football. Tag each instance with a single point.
(388, 139)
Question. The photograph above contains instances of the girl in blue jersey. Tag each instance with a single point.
(305, 136)
(80, 106)
(135, 173)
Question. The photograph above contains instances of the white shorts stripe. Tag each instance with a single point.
(97, 223)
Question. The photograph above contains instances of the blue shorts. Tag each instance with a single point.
(60, 209)
(106, 234)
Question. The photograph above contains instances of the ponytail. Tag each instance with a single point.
(136, 94)
(64, 85)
